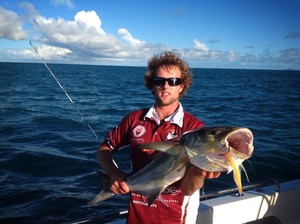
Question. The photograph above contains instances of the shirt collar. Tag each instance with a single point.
(175, 118)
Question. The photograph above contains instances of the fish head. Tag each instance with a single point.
(207, 146)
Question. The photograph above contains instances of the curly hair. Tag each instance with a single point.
(168, 59)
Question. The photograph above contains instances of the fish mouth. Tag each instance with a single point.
(240, 141)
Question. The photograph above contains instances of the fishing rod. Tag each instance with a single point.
(63, 89)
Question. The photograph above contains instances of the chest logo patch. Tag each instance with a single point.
(139, 131)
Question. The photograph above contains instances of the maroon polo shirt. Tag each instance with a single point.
(144, 126)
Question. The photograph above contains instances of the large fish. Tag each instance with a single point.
(209, 148)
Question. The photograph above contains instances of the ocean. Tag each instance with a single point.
(48, 153)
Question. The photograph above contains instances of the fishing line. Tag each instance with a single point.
(63, 89)
(70, 99)
(207, 201)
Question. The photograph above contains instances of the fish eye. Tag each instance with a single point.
(212, 132)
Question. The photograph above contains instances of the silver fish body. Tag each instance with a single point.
(204, 148)
(151, 180)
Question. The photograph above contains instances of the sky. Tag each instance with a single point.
(243, 34)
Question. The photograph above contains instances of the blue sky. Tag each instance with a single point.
(207, 34)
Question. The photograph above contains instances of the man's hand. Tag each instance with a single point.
(194, 179)
(207, 174)
(118, 185)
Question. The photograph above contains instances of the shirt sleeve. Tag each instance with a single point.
(118, 136)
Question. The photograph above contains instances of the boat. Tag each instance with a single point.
(262, 203)
(268, 202)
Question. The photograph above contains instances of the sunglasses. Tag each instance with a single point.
(159, 81)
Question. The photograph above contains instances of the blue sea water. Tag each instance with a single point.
(48, 155)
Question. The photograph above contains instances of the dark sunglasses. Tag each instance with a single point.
(159, 81)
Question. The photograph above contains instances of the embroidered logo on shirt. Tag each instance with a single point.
(139, 131)
(171, 190)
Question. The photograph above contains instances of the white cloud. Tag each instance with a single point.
(29, 13)
(47, 51)
(232, 56)
(11, 25)
(129, 38)
(83, 35)
(44, 51)
(86, 25)
(200, 46)
(290, 56)
(86, 39)
(89, 19)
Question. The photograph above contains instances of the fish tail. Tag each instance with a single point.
(105, 193)
(236, 173)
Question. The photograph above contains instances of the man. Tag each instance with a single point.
(168, 77)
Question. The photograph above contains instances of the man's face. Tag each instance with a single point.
(166, 94)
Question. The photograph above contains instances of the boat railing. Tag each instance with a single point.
(256, 186)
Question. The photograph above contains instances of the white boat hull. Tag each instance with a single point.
(273, 204)
(262, 205)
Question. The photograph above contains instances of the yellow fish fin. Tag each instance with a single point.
(236, 173)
